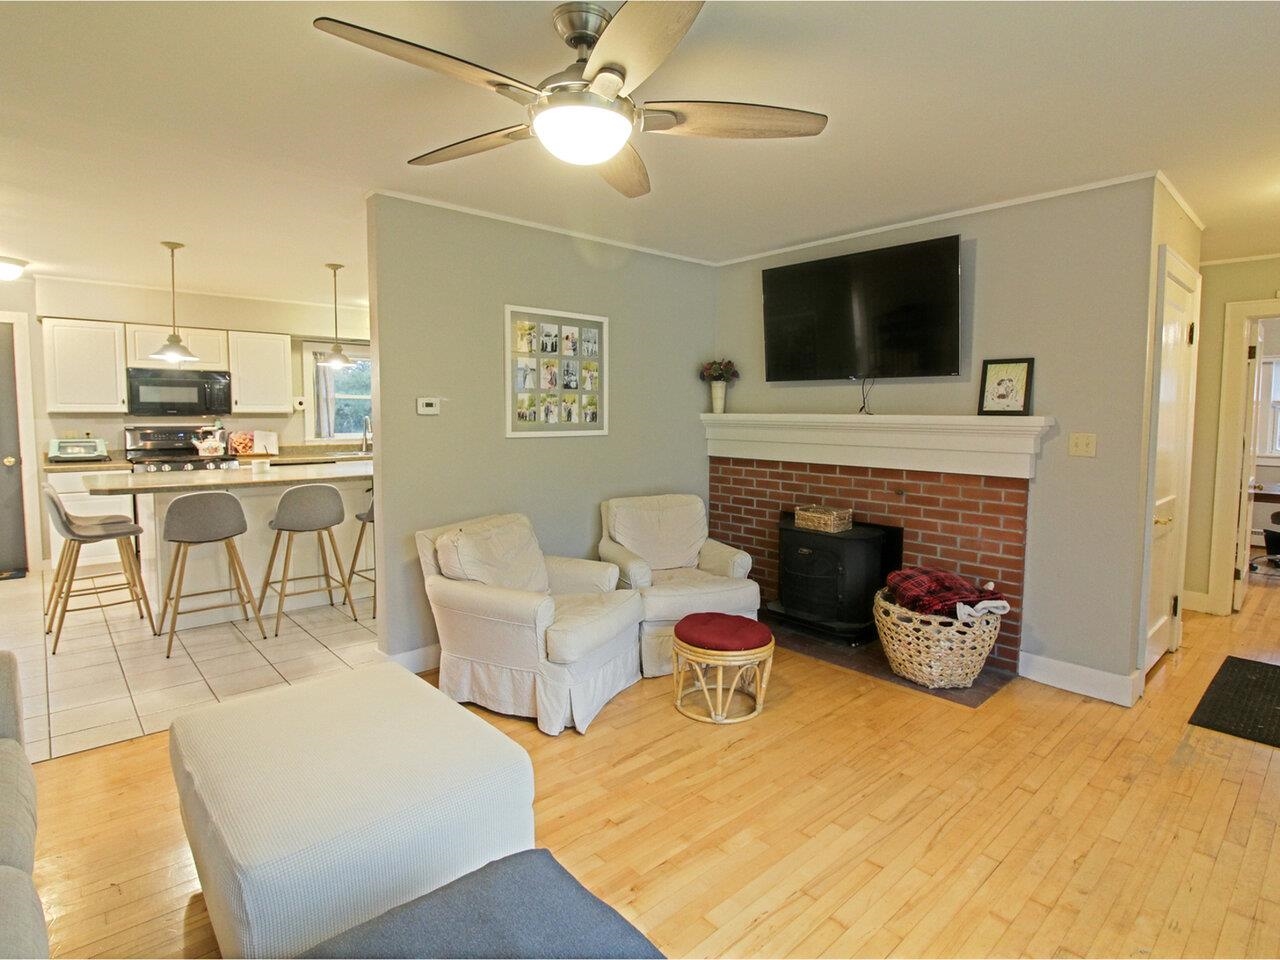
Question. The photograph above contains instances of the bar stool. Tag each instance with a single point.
(214, 516)
(364, 573)
(76, 532)
(307, 508)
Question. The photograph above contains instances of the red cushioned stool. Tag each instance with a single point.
(720, 640)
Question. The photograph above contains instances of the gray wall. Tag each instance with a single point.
(1223, 283)
(1064, 280)
(440, 281)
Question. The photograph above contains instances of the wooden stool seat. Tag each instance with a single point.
(721, 640)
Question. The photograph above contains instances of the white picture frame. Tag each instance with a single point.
(594, 403)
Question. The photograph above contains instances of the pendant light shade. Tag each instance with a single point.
(173, 350)
(336, 358)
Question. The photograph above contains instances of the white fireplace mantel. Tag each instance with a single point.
(986, 446)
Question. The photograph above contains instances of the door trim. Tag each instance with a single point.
(1231, 417)
(27, 438)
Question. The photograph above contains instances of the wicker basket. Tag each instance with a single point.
(826, 519)
(934, 651)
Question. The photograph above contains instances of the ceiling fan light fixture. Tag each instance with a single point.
(11, 268)
(582, 128)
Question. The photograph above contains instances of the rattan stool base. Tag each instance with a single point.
(754, 665)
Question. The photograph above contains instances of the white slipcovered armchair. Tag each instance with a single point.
(526, 634)
(661, 546)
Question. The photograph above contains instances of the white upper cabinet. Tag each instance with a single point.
(209, 345)
(261, 372)
(84, 364)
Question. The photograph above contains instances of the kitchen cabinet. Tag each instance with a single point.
(79, 502)
(84, 363)
(261, 372)
(142, 340)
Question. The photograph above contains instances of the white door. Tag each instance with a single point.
(1252, 418)
(261, 372)
(84, 364)
(1173, 407)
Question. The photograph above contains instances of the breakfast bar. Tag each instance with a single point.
(258, 490)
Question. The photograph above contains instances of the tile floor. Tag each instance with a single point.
(110, 680)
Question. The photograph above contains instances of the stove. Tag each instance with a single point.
(171, 448)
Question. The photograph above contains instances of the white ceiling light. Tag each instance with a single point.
(173, 350)
(336, 358)
(11, 268)
(582, 128)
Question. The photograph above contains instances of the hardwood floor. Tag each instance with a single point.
(853, 818)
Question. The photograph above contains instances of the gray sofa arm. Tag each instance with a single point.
(10, 698)
(571, 575)
(724, 560)
(634, 571)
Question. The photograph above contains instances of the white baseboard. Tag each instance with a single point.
(1112, 687)
(420, 660)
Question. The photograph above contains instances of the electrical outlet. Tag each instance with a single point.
(1082, 444)
(428, 406)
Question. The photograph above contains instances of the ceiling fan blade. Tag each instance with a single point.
(639, 37)
(422, 56)
(626, 173)
(735, 121)
(466, 148)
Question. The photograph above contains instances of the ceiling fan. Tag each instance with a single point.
(585, 113)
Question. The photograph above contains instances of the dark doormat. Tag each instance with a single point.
(12, 574)
(1243, 700)
(869, 658)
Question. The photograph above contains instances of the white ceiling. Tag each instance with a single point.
(251, 136)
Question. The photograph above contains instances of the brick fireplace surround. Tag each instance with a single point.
(973, 525)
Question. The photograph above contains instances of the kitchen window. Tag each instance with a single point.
(337, 400)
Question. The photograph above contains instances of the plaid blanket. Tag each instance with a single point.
(935, 592)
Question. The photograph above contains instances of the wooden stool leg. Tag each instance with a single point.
(324, 563)
(127, 570)
(136, 576)
(343, 578)
(284, 579)
(244, 580)
(55, 591)
(177, 595)
(54, 587)
(64, 600)
(168, 587)
(351, 572)
(235, 579)
(266, 578)
(375, 572)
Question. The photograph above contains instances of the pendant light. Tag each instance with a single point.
(336, 358)
(173, 349)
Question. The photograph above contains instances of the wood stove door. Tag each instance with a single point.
(811, 579)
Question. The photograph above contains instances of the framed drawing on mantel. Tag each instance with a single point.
(1006, 387)
(557, 377)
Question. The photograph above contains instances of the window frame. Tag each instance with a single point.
(356, 350)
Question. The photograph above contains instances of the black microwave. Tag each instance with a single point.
(185, 393)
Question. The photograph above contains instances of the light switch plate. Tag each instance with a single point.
(1082, 444)
(428, 406)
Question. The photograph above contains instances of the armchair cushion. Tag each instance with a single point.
(501, 551)
(678, 593)
(667, 531)
(586, 621)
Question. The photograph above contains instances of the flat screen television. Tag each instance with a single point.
(893, 312)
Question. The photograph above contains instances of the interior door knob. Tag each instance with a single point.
(9, 461)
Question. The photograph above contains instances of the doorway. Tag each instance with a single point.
(1173, 411)
(20, 544)
(1247, 417)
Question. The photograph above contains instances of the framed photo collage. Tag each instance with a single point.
(557, 373)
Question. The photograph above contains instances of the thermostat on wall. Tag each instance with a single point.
(428, 406)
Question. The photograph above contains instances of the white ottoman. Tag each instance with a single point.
(313, 808)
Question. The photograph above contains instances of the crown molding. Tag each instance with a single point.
(1218, 263)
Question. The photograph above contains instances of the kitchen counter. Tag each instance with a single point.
(244, 478)
(315, 457)
(117, 462)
